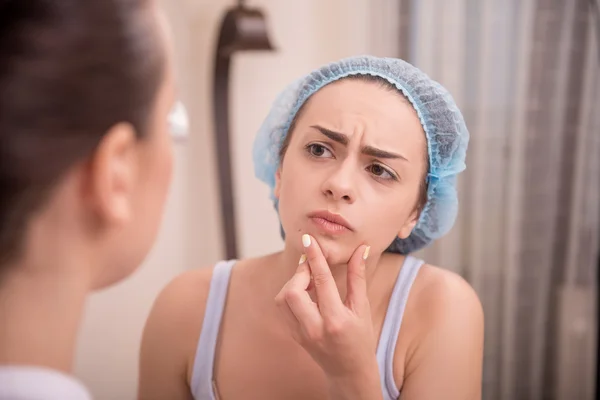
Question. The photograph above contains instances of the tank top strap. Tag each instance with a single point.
(202, 372)
(392, 323)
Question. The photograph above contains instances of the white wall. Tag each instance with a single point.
(306, 33)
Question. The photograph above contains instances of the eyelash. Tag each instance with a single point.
(310, 147)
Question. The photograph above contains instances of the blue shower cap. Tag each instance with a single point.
(443, 123)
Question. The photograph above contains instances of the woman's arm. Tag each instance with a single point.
(170, 337)
(447, 359)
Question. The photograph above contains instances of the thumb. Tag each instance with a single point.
(356, 296)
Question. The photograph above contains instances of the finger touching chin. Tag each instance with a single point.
(336, 253)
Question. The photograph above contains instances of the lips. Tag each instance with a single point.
(330, 221)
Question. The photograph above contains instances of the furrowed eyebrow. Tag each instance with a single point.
(368, 150)
(335, 136)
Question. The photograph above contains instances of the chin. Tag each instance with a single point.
(338, 257)
(336, 251)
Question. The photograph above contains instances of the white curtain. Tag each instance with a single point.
(526, 75)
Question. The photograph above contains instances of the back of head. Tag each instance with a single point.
(69, 70)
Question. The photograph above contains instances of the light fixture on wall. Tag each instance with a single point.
(179, 125)
(242, 29)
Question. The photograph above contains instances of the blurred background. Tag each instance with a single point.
(526, 74)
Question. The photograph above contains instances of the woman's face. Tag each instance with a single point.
(353, 170)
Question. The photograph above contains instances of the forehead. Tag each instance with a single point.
(385, 117)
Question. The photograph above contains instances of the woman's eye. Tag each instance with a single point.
(380, 172)
(318, 150)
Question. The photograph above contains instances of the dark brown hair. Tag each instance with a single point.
(386, 85)
(69, 70)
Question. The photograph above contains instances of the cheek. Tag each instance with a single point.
(387, 214)
(296, 192)
(289, 202)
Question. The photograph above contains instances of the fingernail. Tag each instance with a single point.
(305, 240)
(366, 253)
(302, 259)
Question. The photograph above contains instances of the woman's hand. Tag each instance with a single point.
(337, 334)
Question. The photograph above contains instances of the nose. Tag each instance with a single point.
(340, 185)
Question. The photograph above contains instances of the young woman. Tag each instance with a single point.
(362, 157)
(86, 89)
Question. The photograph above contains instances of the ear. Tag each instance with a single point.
(409, 225)
(111, 175)
(277, 188)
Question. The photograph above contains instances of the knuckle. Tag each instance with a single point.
(312, 335)
(320, 279)
(357, 275)
(335, 326)
(312, 256)
(291, 296)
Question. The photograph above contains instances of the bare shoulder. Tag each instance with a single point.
(444, 295)
(445, 325)
(181, 304)
(187, 293)
(442, 304)
(171, 335)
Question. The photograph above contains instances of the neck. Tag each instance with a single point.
(43, 293)
(40, 312)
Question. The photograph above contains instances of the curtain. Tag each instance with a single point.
(526, 75)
